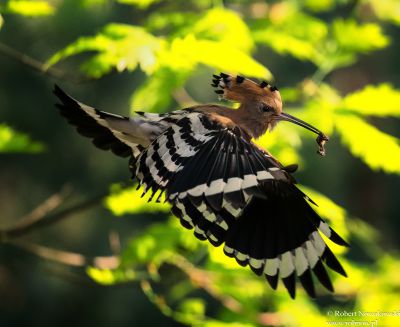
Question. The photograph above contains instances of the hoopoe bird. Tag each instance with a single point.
(219, 182)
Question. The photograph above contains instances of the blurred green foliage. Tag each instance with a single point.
(169, 46)
(27, 8)
(13, 141)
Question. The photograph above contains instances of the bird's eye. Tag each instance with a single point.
(267, 108)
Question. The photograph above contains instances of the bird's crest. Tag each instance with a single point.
(240, 89)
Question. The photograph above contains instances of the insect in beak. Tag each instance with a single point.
(321, 139)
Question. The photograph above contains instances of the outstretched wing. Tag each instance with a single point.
(230, 191)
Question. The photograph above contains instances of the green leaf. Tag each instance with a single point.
(382, 100)
(157, 243)
(354, 37)
(27, 8)
(112, 276)
(219, 323)
(194, 308)
(171, 23)
(387, 10)
(12, 141)
(155, 94)
(1, 21)
(301, 312)
(319, 5)
(284, 43)
(225, 26)
(123, 201)
(378, 150)
(142, 4)
(121, 47)
(93, 3)
(186, 53)
(295, 33)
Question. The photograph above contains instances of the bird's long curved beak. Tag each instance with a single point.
(297, 121)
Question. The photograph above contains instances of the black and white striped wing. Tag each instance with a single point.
(124, 136)
(229, 191)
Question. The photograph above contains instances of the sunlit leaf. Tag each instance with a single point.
(225, 26)
(93, 3)
(158, 243)
(105, 277)
(155, 94)
(379, 291)
(300, 313)
(123, 201)
(387, 10)
(194, 308)
(355, 37)
(381, 100)
(224, 58)
(17, 142)
(1, 21)
(112, 276)
(284, 43)
(296, 33)
(220, 323)
(217, 255)
(377, 149)
(186, 53)
(143, 4)
(119, 46)
(319, 5)
(175, 23)
(27, 8)
(358, 278)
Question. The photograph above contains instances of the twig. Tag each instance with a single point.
(40, 66)
(183, 98)
(50, 204)
(115, 242)
(67, 258)
(157, 300)
(205, 280)
(160, 302)
(27, 225)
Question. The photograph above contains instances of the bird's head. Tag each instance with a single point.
(260, 105)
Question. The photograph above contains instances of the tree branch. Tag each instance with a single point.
(40, 66)
(52, 203)
(183, 98)
(35, 220)
(206, 280)
(67, 258)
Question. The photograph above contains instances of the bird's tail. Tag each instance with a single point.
(122, 135)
